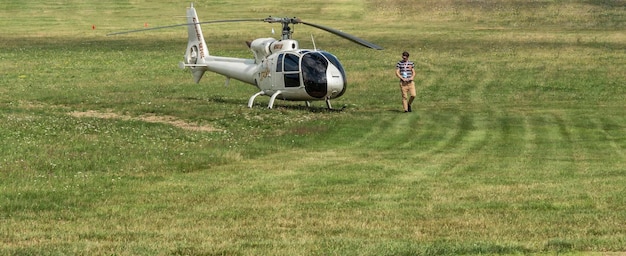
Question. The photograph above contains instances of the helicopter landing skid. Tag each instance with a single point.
(328, 104)
(273, 98)
(270, 105)
(251, 100)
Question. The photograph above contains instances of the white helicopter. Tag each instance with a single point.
(280, 69)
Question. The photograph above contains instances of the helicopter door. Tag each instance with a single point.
(291, 70)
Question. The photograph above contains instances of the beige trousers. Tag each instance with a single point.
(408, 90)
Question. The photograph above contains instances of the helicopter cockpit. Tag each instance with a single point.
(319, 72)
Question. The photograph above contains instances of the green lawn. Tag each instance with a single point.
(517, 142)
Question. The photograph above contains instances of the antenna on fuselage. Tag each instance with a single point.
(313, 40)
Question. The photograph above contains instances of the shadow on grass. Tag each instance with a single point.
(277, 106)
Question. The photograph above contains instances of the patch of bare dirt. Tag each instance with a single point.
(171, 120)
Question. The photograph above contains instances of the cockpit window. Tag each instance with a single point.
(279, 64)
(335, 62)
(314, 67)
(291, 62)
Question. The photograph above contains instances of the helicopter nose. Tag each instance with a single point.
(336, 82)
(335, 85)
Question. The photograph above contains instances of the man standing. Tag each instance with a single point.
(406, 72)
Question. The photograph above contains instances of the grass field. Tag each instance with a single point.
(517, 142)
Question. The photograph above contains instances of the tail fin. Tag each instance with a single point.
(196, 46)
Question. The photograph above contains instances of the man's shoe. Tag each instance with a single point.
(409, 109)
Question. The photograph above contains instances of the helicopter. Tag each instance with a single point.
(280, 69)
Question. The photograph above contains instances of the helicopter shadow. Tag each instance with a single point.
(263, 105)
(223, 100)
(214, 99)
(311, 109)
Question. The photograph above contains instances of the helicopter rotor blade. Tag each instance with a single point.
(269, 20)
(344, 35)
(179, 25)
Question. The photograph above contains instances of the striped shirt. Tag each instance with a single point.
(406, 68)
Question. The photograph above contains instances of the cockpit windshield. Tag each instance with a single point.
(314, 67)
(335, 62)
(338, 65)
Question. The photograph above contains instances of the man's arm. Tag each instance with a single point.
(398, 74)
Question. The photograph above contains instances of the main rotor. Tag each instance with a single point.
(286, 29)
(286, 34)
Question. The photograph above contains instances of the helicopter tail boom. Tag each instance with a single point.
(243, 70)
